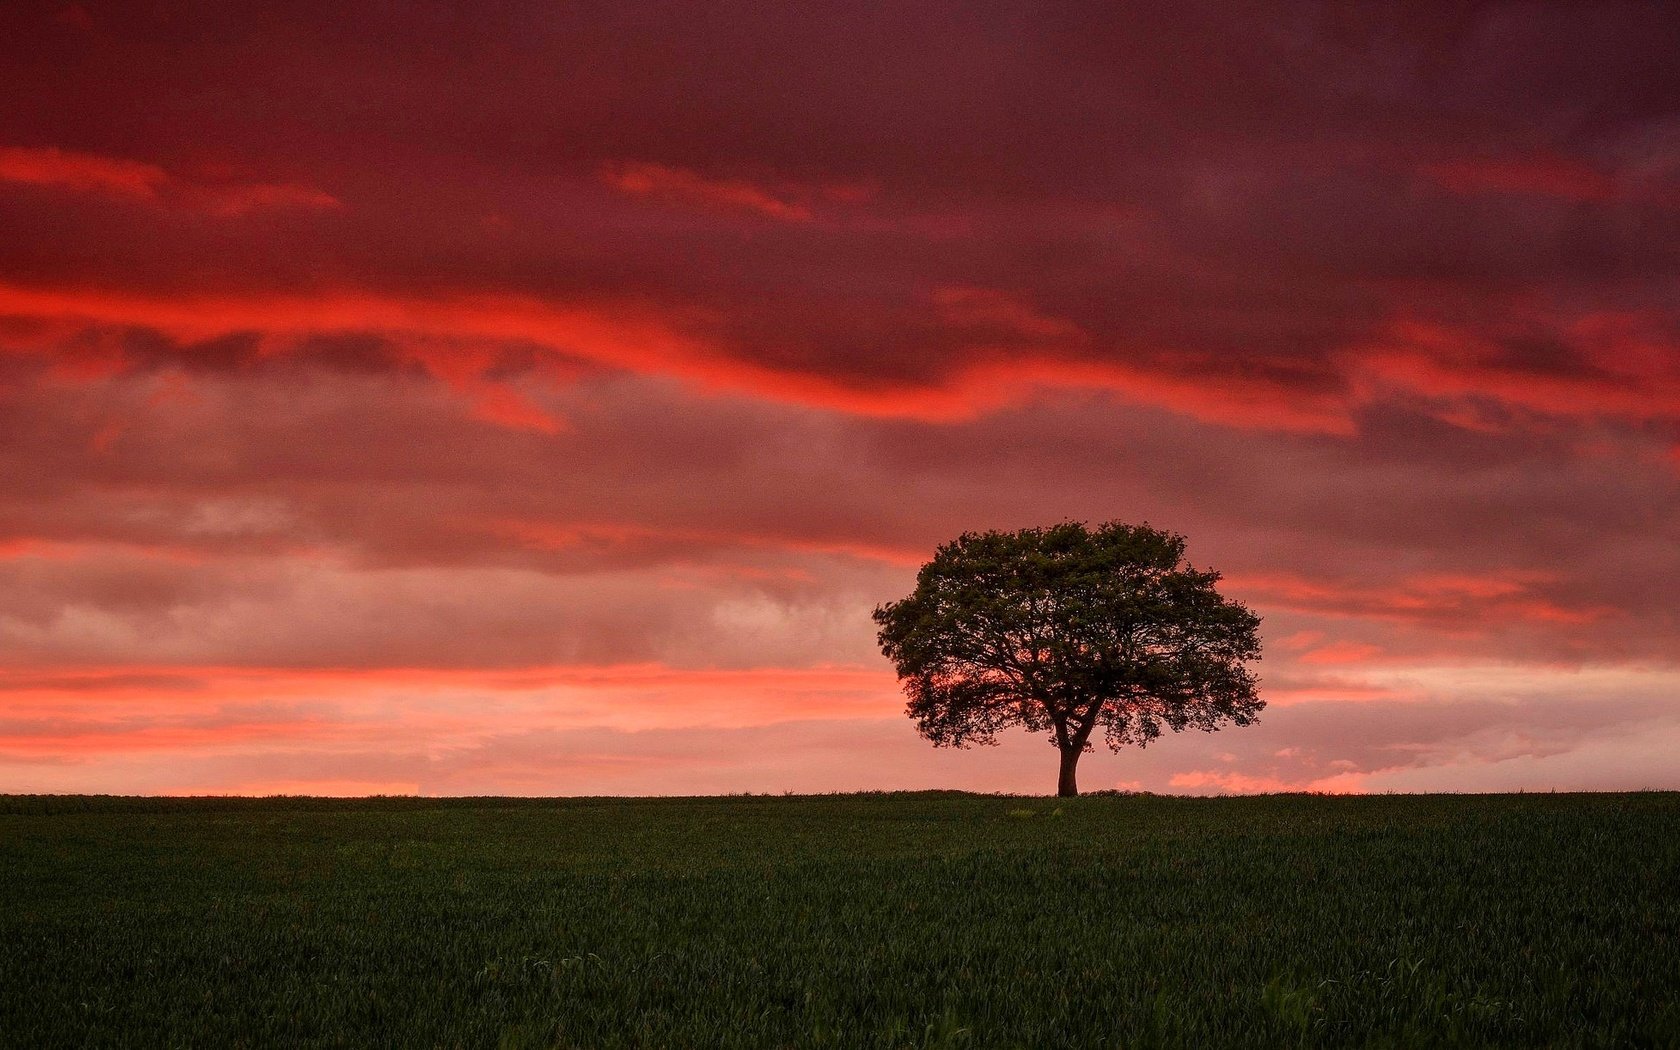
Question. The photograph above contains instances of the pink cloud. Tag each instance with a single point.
(1341, 653)
(1244, 784)
(320, 788)
(1541, 176)
(234, 200)
(574, 535)
(51, 166)
(1444, 598)
(677, 184)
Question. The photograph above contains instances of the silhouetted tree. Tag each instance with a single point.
(1064, 629)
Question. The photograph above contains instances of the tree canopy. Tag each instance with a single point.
(1063, 629)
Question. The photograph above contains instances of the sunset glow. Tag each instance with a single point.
(538, 401)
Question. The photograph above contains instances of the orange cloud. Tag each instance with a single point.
(82, 736)
(1209, 395)
(51, 166)
(92, 173)
(446, 335)
(989, 307)
(82, 717)
(620, 336)
(19, 547)
(238, 200)
(323, 788)
(35, 547)
(1006, 353)
(1425, 597)
(1444, 361)
(501, 404)
(678, 184)
(1332, 691)
(1017, 349)
(666, 695)
(1251, 784)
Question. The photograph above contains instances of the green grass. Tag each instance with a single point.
(867, 920)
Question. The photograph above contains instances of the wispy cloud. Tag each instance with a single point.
(50, 166)
(786, 202)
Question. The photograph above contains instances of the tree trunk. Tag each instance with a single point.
(1068, 784)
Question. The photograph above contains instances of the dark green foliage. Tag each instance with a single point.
(867, 921)
(1064, 629)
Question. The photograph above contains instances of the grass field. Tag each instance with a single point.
(866, 920)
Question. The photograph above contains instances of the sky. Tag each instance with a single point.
(527, 398)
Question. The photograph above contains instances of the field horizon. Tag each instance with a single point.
(9, 800)
(890, 919)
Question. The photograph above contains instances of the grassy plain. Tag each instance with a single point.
(909, 920)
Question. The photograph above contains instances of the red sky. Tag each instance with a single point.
(535, 398)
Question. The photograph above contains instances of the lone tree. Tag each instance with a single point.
(1064, 629)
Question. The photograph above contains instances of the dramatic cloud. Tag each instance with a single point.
(540, 400)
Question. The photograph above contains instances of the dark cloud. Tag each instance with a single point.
(1221, 190)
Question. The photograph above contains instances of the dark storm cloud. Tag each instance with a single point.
(1197, 191)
